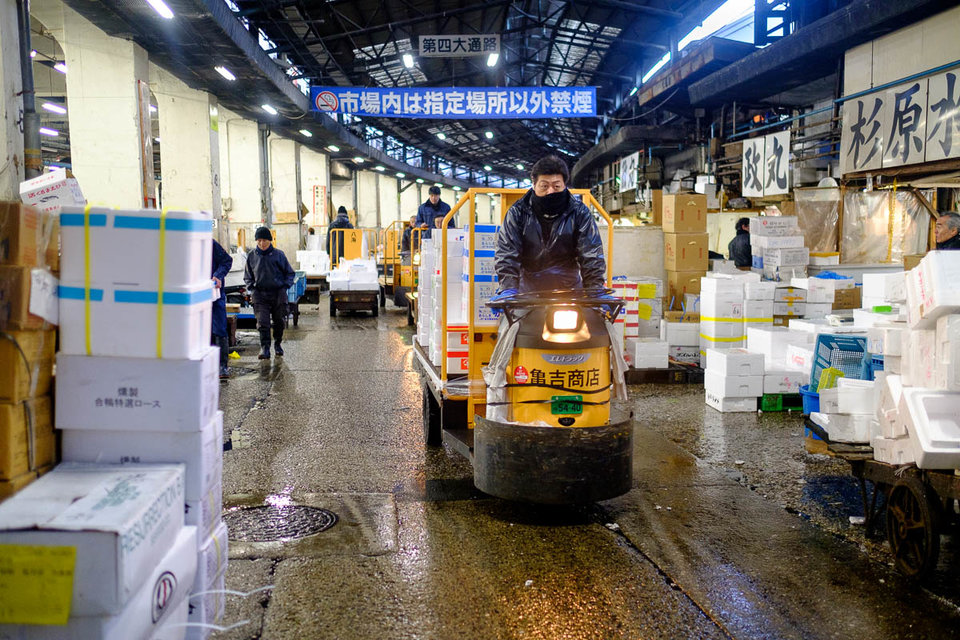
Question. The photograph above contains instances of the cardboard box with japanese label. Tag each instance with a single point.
(122, 520)
(28, 237)
(684, 212)
(52, 190)
(28, 298)
(26, 365)
(685, 251)
(680, 283)
(121, 394)
(19, 424)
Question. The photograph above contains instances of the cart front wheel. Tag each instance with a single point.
(913, 528)
(333, 308)
(431, 419)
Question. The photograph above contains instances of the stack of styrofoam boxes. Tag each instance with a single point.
(363, 275)
(683, 341)
(774, 343)
(98, 552)
(776, 243)
(848, 411)
(131, 389)
(733, 379)
(314, 263)
(721, 312)
(685, 245)
(788, 302)
(484, 281)
(642, 312)
(28, 258)
(821, 293)
(884, 299)
(919, 410)
(425, 276)
(648, 353)
(452, 265)
(757, 304)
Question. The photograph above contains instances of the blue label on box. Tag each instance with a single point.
(758, 262)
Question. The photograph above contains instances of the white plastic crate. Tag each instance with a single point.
(932, 419)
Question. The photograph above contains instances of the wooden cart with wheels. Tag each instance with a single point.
(355, 301)
(920, 503)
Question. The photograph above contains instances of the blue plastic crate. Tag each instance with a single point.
(843, 352)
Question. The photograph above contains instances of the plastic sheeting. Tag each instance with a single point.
(818, 214)
(883, 226)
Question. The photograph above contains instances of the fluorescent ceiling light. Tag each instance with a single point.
(226, 73)
(437, 184)
(269, 109)
(152, 108)
(649, 74)
(61, 67)
(487, 167)
(492, 59)
(33, 53)
(401, 174)
(306, 133)
(358, 159)
(419, 180)
(634, 91)
(526, 181)
(157, 140)
(408, 61)
(53, 133)
(54, 108)
(380, 167)
(520, 166)
(333, 147)
(489, 134)
(456, 188)
(442, 135)
(161, 7)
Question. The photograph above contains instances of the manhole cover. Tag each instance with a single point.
(269, 523)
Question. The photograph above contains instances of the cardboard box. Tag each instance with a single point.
(28, 298)
(12, 486)
(734, 362)
(730, 405)
(685, 251)
(847, 298)
(28, 237)
(17, 421)
(732, 386)
(680, 283)
(19, 379)
(163, 395)
(684, 213)
(681, 316)
(912, 260)
(121, 520)
(159, 603)
(52, 190)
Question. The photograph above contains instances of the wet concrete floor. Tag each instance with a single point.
(731, 530)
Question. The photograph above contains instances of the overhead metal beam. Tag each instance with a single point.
(632, 7)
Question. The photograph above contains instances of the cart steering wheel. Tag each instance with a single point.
(593, 298)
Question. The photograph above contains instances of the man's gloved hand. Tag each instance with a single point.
(500, 297)
(610, 308)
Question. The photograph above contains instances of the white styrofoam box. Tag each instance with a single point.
(892, 364)
(816, 326)
(796, 257)
(790, 309)
(733, 386)
(776, 242)
(721, 328)
(818, 289)
(651, 362)
(725, 286)
(784, 273)
(789, 294)
(174, 625)
(484, 288)
(160, 599)
(820, 259)
(648, 347)
(920, 358)
(484, 236)
(314, 262)
(123, 322)
(947, 376)
(886, 339)
(772, 343)
(866, 319)
(851, 397)
(204, 513)
(121, 520)
(891, 287)
(818, 309)
(937, 288)
(155, 395)
(691, 302)
(784, 381)
(689, 354)
(891, 389)
(896, 451)
(723, 266)
(206, 608)
(212, 554)
(774, 226)
(730, 405)
(125, 247)
(799, 358)
(680, 333)
(734, 362)
(846, 428)
(364, 284)
(201, 451)
(932, 419)
(759, 290)
(755, 311)
(714, 342)
(51, 190)
(483, 262)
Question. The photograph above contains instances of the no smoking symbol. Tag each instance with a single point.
(327, 101)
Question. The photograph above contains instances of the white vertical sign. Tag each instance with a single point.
(629, 167)
(906, 131)
(943, 117)
(776, 172)
(751, 177)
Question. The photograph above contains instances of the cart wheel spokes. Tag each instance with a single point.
(913, 528)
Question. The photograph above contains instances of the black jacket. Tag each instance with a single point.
(267, 274)
(427, 214)
(570, 254)
(739, 248)
(949, 244)
(342, 221)
(219, 268)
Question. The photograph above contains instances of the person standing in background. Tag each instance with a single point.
(267, 276)
(220, 267)
(739, 247)
(431, 210)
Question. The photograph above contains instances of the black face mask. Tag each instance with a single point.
(550, 205)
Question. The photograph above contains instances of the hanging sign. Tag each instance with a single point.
(459, 46)
(461, 103)
(629, 166)
(766, 166)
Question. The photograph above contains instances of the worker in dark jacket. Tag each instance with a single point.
(432, 209)
(549, 239)
(406, 240)
(219, 268)
(268, 276)
(948, 230)
(739, 247)
(342, 221)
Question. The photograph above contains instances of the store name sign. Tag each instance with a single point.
(766, 166)
(458, 102)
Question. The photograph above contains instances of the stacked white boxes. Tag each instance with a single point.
(314, 263)
(484, 279)
(733, 379)
(643, 307)
(683, 341)
(789, 302)
(774, 343)
(776, 243)
(820, 293)
(721, 310)
(848, 411)
(102, 552)
(425, 276)
(451, 264)
(648, 353)
(137, 381)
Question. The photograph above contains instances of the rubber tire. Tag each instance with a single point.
(410, 320)
(432, 426)
(913, 528)
(375, 309)
(333, 308)
(383, 297)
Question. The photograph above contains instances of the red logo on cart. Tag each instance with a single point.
(520, 375)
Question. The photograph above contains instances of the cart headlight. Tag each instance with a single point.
(564, 320)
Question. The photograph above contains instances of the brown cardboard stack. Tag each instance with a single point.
(28, 254)
(685, 244)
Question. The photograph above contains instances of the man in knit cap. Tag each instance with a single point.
(267, 276)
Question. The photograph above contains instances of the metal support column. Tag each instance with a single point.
(302, 238)
(33, 161)
(266, 201)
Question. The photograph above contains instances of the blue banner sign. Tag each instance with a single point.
(458, 103)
